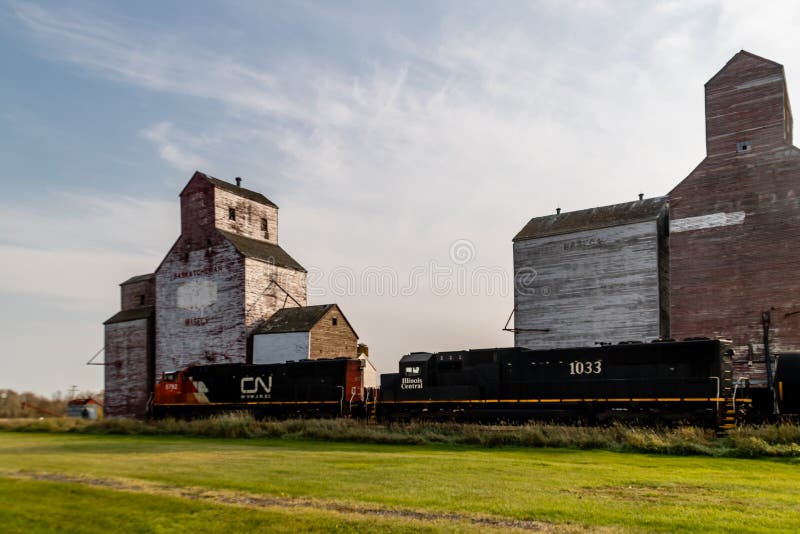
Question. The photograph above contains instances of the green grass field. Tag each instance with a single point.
(97, 483)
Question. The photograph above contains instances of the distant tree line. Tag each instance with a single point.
(26, 405)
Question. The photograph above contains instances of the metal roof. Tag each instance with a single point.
(301, 319)
(143, 312)
(416, 357)
(740, 54)
(139, 278)
(82, 402)
(593, 218)
(236, 189)
(261, 250)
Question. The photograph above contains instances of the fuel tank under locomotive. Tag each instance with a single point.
(662, 381)
(306, 388)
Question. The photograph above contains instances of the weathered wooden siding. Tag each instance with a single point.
(281, 347)
(209, 294)
(128, 367)
(138, 294)
(735, 220)
(200, 306)
(197, 210)
(248, 216)
(263, 298)
(585, 287)
(747, 101)
(208, 291)
(330, 340)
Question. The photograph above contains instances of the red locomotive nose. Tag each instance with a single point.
(170, 389)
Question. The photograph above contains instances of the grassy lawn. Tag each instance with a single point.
(327, 486)
(34, 506)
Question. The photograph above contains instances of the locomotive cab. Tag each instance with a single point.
(175, 387)
(415, 371)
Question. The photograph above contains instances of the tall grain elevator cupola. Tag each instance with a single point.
(224, 276)
(747, 107)
(734, 231)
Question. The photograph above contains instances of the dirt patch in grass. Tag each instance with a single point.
(638, 492)
(267, 502)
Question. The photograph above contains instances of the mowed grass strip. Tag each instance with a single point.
(28, 506)
(565, 487)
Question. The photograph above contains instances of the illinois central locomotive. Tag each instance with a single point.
(663, 381)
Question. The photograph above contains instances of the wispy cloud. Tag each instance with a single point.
(409, 134)
(173, 147)
(154, 58)
(89, 223)
(84, 247)
(62, 262)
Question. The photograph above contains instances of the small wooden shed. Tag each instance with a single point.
(85, 409)
(305, 332)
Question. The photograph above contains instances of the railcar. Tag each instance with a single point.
(787, 384)
(307, 388)
(641, 382)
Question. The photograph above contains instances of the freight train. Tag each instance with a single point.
(660, 382)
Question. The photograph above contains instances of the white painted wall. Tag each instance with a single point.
(278, 348)
(370, 373)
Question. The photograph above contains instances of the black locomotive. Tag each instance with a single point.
(307, 388)
(660, 382)
(787, 384)
(663, 381)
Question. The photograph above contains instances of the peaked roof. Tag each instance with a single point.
(593, 218)
(143, 312)
(81, 402)
(301, 319)
(233, 188)
(262, 250)
(139, 278)
(741, 54)
(416, 357)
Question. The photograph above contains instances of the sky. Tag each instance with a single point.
(405, 142)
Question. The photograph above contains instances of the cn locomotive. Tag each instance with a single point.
(660, 382)
(306, 388)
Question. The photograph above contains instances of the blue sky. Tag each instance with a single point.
(388, 133)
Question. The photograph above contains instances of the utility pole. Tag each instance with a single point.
(766, 320)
